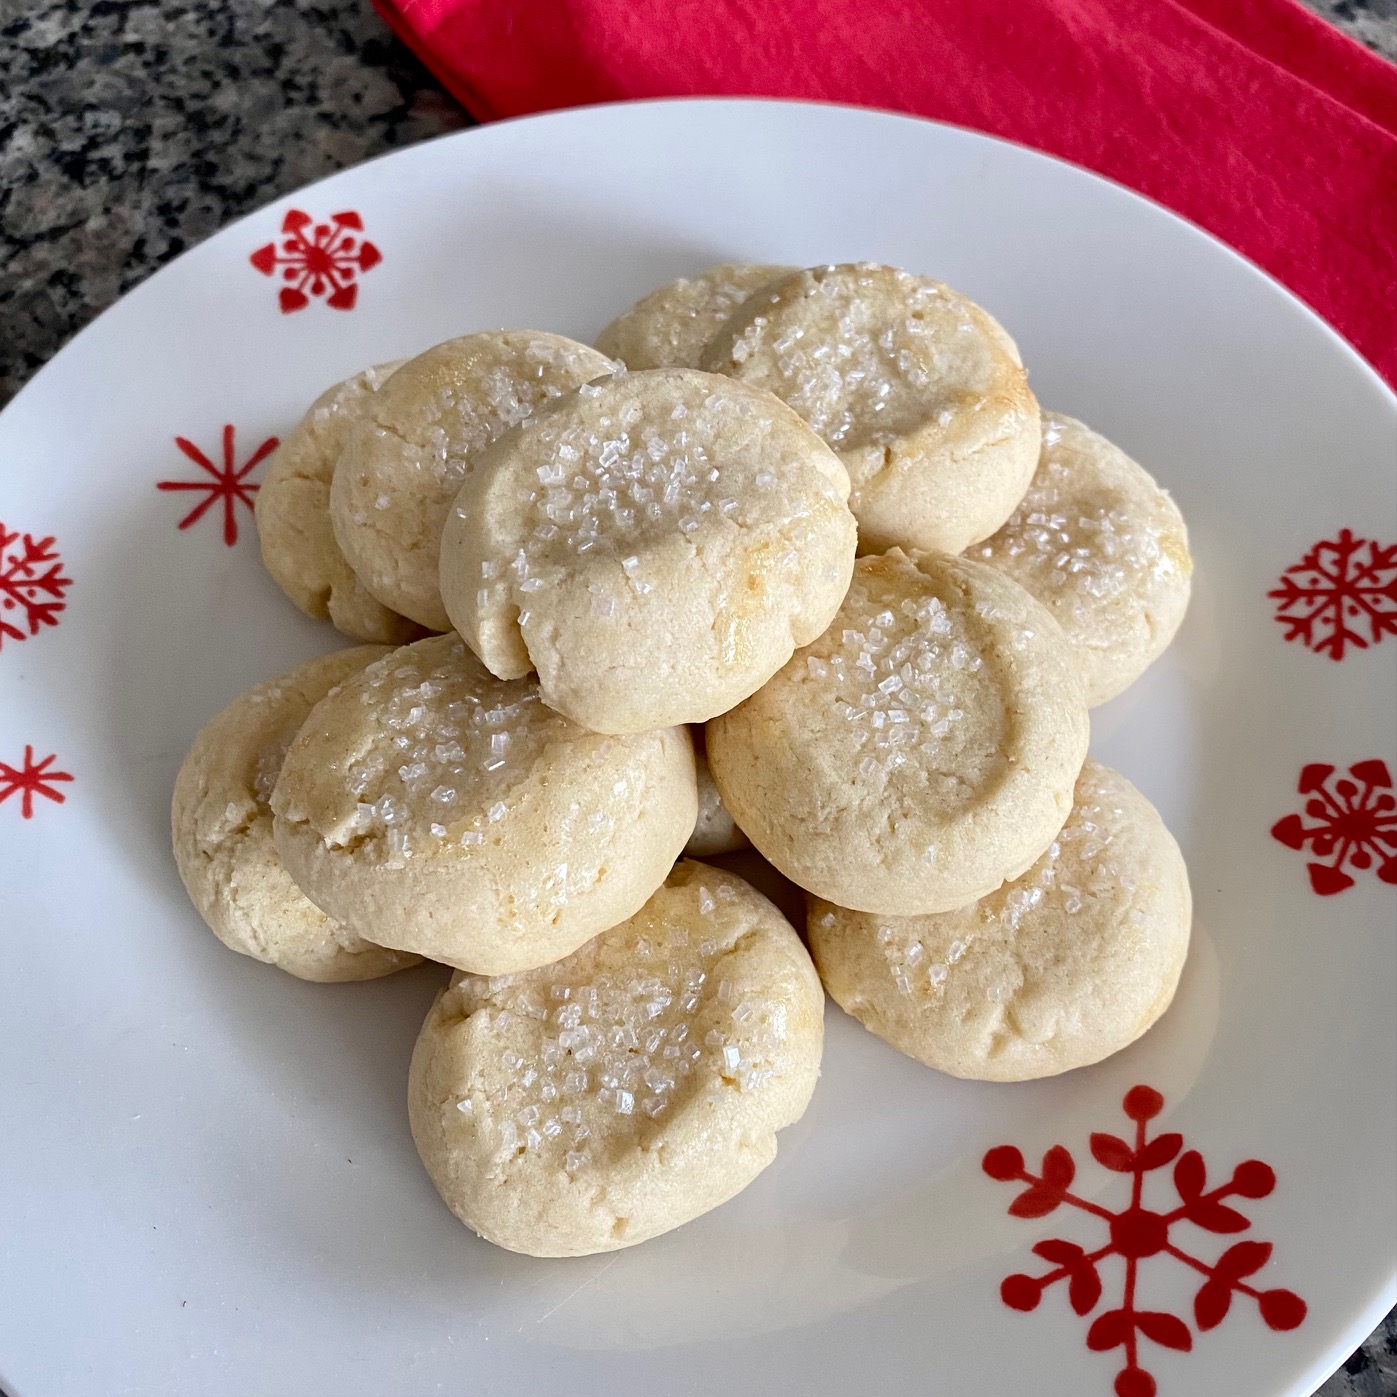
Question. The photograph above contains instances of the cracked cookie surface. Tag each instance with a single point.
(451, 813)
(1061, 968)
(417, 439)
(655, 545)
(920, 391)
(669, 328)
(921, 752)
(293, 517)
(221, 823)
(629, 1088)
(1105, 549)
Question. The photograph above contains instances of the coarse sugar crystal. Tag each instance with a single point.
(618, 1047)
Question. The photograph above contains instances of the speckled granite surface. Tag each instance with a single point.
(132, 129)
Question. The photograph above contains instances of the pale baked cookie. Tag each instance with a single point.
(417, 438)
(626, 1090)
(293, 518)
(716, 831)
(669, 328)
(922, 751)
(1104, 549)
(655, 546)
(450, 813)
(920, 391)
(222, 831)
(1062, 967)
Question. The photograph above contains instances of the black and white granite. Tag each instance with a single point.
(132, 129)
(1371, 22)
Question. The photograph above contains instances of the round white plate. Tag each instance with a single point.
(207, 1183)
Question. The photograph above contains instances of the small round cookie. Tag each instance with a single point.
(1104, 549)
(716, 831)
(1062, 967)
(221, 825)
(418, 437)
(628, 1089)
(655, 545)
(293, 518)
(921, 752)
(920, 391)
(669, 328)
(450, 813)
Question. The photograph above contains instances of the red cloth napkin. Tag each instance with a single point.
(1252, 118)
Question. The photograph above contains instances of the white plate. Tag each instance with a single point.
(207, 1183)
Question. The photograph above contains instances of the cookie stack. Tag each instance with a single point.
(791, 557)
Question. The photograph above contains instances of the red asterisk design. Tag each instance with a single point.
(1136, 1234)
(30, 780)
(229, 482)
(1337, 592)
(32, 584)
(1355, 824)
(318, 259)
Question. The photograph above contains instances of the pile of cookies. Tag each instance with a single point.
(791, 556)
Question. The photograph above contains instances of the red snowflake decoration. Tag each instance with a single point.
(318, 259)
(1136, 1234)
(31, 584)
(1337, 592)
(30, 780)
(229, 482)
(1356, 824)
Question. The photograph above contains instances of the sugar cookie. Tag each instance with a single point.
(921, 752)
(1060, 968)
(456, 816)
(626, 1090)
(404, 460)
(1104, 549)
(293, 518)
(222, 831)
(669, 328)
(920, 391)
(655, 545)
(716, 831)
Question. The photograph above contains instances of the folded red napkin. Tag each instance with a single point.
(1252, 118)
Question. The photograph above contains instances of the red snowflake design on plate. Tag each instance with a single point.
(30, 780)
(1136, 1234)
(228, 482)
(1355, 824)
(318, 259)
(32, 584)
(1339, 595)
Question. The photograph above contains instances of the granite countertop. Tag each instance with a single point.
(132, 129)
